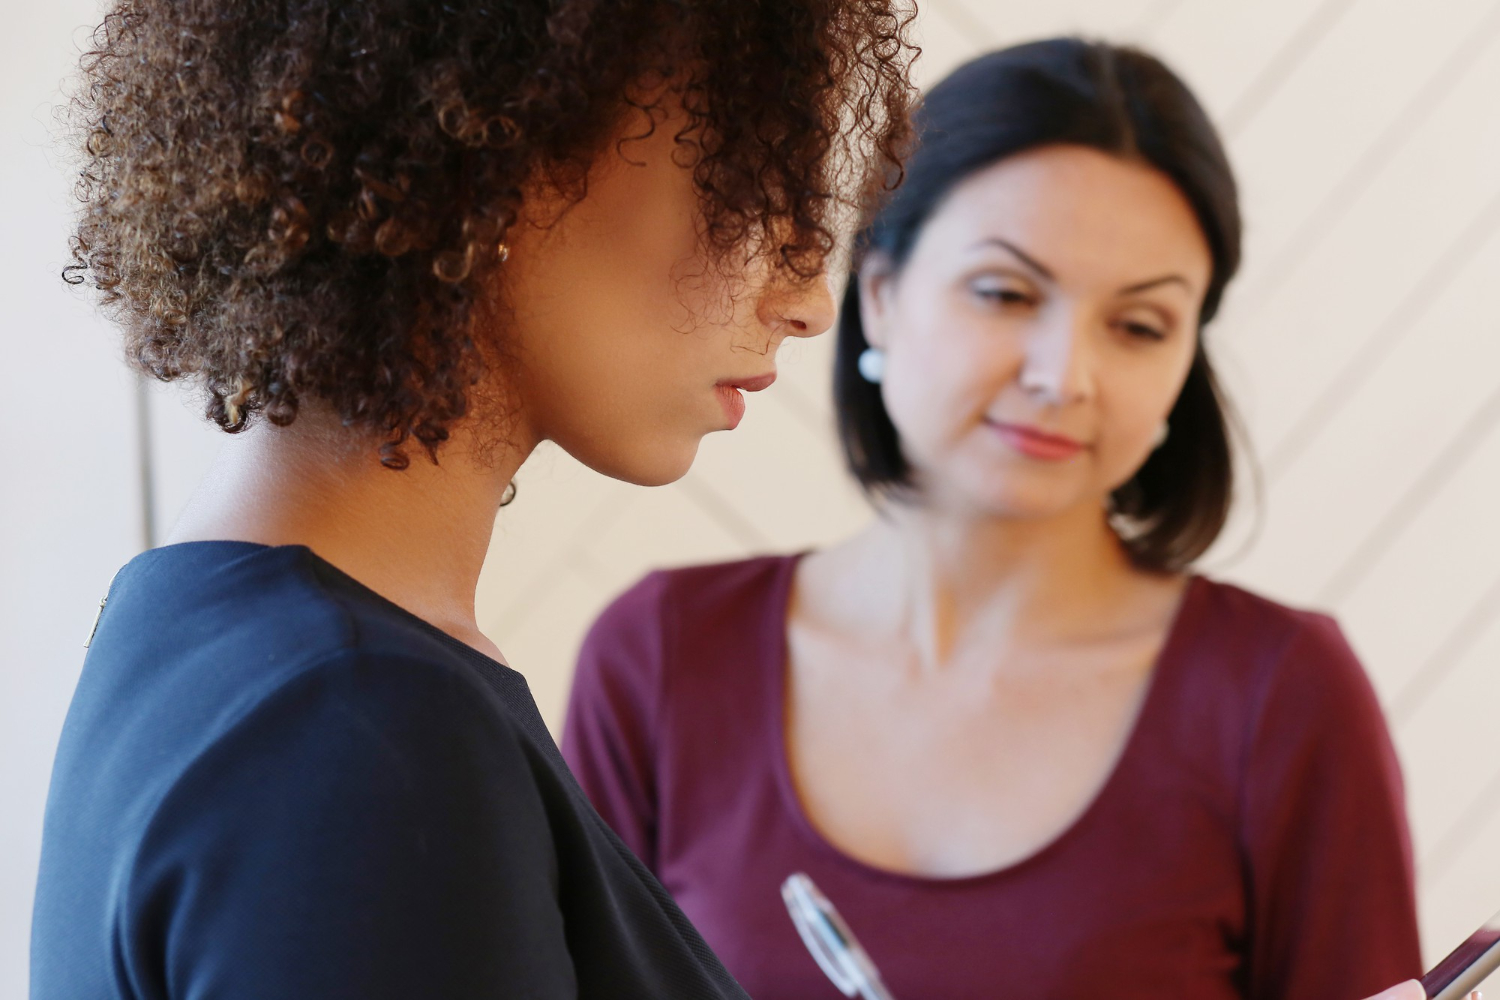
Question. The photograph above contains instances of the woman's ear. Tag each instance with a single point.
(877, 284)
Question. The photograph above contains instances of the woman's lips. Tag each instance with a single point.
(734, 403)
(1038, 444)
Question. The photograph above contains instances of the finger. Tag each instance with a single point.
(1410, 990)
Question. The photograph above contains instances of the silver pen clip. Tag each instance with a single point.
(832, 944)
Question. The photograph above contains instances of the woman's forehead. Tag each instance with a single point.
(1060, 202)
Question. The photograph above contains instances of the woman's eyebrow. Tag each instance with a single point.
(1020, 254)
(1154, 282)
(1044, 271)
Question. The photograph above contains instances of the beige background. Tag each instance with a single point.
(1362, 344)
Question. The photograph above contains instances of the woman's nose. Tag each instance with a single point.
(800, 308)
(1057, 366)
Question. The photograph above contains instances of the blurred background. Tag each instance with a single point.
(1361, 344)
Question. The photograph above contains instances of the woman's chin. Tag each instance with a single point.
(654, 463)
(1007, 502)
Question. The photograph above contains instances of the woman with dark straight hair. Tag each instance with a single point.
(1022, 746)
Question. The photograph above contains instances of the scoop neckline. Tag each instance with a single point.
(791, 800)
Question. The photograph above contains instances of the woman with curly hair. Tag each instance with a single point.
(398, 244)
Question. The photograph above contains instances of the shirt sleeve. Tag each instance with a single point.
(1333, 911)
(372, 830)
(611, 723)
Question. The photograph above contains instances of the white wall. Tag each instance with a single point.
(69, 470)
(1360, 343)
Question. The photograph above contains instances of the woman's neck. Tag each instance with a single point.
(418, 537)
(958, 581)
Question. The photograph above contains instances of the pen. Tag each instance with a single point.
(832, 944)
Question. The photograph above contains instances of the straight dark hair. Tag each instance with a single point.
(1121, 101)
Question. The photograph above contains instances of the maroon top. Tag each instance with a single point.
(1251, 841)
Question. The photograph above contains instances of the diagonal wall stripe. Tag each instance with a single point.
(1154, 17)
(1273, 76)
(543, 583)
(1450, 652)
(717, 506)
(804, 409)
(1424, 294)
(1441, 858)
(961, 16)
(1452, 458)
(1324, 219)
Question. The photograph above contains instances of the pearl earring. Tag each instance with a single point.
(1161, 435)
(872, 365)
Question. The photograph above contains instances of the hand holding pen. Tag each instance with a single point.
(1412, 990)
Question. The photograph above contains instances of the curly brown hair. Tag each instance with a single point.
(293, 199)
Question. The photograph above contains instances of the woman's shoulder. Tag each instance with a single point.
(204, 646)
(229, 687)
(706, 596)
(706, 620)
(1234, 604)
(1265, 650)
(254, 618)
(1250, 624)
(1247, 680)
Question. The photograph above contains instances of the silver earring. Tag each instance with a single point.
(872, 365)
(1161, 435)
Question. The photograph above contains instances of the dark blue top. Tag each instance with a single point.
(275, 783)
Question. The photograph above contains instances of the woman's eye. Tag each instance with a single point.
(1002, 295)
(1143, 330)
